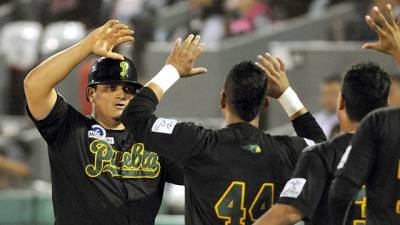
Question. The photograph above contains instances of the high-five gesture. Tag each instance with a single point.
(105, 38)
(40, 82)
(184, 56)
(388, 33)
(278, 85)
(275, 71)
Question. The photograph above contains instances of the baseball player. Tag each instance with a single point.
(234, 174)
(374, 157)
(100, 173)
(365, 87)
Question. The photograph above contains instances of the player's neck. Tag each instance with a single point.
(348, 126)
(231, 118)
(108, 123)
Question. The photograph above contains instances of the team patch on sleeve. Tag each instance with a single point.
(293, 188)
(165, 126)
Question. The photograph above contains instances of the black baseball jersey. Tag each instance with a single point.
(308, 188)
(374, 160)
(232, 175)
(101, 176)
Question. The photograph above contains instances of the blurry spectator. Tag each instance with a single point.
(89, 12)
(124, 10)
(13, 156)
(318, 7)
(357, 29)
(394, 97)
(326, 117)
(248, 15)
(285, 9)
(329, 91)
(209, 19)
(143, 24)
(19, 46)
(12, 163)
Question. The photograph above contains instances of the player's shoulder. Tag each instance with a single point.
(337, 143)
(381, 118)
(340, 141)
(384, 113)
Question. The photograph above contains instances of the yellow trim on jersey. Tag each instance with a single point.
(242, 208)
(363, 206)
(359, 222)
(265, 185)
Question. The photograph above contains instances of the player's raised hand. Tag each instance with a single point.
(105, 38)
(388, 32)
(184, 55)
(275, 72)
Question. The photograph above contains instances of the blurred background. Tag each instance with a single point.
(317, 39)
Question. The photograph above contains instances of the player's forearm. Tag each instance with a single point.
(161, 82)
(292, 104)
(307, 127)
(138, 115)
(396, 57)
(303, 122)
(42, 79)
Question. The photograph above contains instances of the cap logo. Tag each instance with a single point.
(124, 66)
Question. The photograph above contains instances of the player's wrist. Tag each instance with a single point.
(290, 102)
(396, 56)
(167, 77)
(86, 45)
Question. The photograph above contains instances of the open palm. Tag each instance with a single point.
(389, 34)
(105, 38)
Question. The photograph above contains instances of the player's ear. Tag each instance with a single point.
(90, 92)
(266, 104)
(341, 102)
(222, 101)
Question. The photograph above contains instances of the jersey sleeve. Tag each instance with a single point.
(308, 134)
(354, 167)
(53, 128)
(167, 137)
(307, 127)
(173, 172)
(307, 185)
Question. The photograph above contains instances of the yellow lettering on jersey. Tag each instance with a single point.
(138, 163)
(363, 206)
(398, 171)
(267, 192)
(398, 177)
(359, 222)
(219, 206)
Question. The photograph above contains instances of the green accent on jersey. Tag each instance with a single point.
(253, 148)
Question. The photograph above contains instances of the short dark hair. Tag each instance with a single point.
(365, 87)
(245, 89)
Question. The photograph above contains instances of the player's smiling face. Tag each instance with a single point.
(110, 100)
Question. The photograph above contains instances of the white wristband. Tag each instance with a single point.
(290, 102)
(167, 77)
